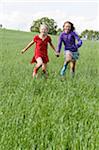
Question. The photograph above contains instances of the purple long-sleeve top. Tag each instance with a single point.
(69, 41)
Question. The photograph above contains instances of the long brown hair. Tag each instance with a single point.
(72, 26)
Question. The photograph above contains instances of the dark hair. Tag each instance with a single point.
(72, 26)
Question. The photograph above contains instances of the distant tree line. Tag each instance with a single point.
(90, 35)
(54, 30)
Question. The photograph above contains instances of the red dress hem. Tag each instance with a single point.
(45, 59)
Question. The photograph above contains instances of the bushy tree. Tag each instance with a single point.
(45, 20)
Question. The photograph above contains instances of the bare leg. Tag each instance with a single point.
(44, 67)
(38, 65)
(72, 68)
(68, 58)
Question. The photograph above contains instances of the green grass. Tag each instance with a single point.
(52, 114)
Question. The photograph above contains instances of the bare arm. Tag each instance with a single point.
(52, 46)
(27, 47)
(56, 53)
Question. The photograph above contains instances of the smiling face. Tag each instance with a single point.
(67, 27)
(43, 29)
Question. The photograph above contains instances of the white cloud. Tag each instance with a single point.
(16, 20)
(80, 22)
(22, 20)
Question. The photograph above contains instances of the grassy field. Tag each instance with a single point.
(52, 114)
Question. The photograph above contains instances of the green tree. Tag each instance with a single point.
(90, 34)
(45, 20)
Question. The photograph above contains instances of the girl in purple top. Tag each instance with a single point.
(69, 38)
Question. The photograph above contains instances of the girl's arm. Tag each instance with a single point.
(59, 44)
(27, 47)
(52, 46)
(54, 49)
(78, 39)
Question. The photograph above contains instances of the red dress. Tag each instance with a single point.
(41, 49)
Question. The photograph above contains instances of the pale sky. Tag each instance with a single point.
(19, 14)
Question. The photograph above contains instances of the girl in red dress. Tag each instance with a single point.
(40, 54)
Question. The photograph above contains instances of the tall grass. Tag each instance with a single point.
(52, 114)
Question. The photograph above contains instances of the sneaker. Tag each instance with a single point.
(63, 71)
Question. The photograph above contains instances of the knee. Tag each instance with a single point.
(68, 58)
(39, 62)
